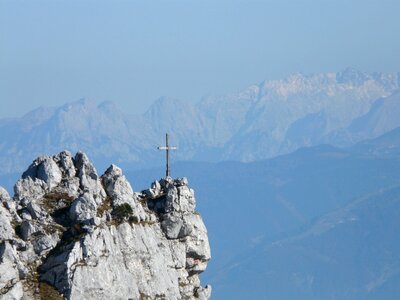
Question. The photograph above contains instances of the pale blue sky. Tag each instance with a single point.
(132, 52)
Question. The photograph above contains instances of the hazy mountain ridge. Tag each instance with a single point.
(262, 121)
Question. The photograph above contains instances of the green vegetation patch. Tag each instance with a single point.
(122, 212)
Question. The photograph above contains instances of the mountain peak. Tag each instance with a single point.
(85, 236)
(83, 104)
(353, 76)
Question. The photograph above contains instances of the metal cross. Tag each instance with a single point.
(167, 148)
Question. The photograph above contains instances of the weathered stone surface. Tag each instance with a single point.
(155, 191)
(6, 229)
(120, 192)
(204, 293)
(171, 225)
(35, 210)
(197, 245)
(49, 172)
(6, 201)
(83, 209)
(27, 229)
(45, 243)
(180, 199)
(29, 189)
(45, 169)
(92, 237)
(4, 196)
(66, 164)
(10, 287)
(181, 181)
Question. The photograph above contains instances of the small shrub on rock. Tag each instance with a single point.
(123, 212)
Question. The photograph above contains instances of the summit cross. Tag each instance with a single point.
(167, 148)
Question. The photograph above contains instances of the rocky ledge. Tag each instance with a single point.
(70, 234)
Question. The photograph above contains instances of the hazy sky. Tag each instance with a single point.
(132, 52)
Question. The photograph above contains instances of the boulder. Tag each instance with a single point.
(83, 209)
(171, 225)
(49, 172)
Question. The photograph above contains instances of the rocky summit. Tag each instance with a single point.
(69, 233)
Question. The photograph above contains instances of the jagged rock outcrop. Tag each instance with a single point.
(69, 233)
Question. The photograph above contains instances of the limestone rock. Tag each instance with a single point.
(171, 225)
(29, 189)
(92, 237)
(27, 229)
(66, 164)
(45, 169)
(4, 196)
(120, 192)
(49, 172)
(83, 209)
(6, 229)
(181, 199)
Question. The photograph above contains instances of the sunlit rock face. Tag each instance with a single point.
(70, 233)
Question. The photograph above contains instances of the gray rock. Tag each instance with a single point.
(43, 244)
(204, 293)
(4, 196)
(171, 225)
(155, 191)
(15, 292)
(180, 199)
(45, 169)
(86, 172)
(9, 273)
(67, 220)
(27, 229)
(35, 210)
(83, 209)
(6, 229)
(49, 172)
(66, 164)
(197, 245)
(117, 187)
(30, 189)
(10, 205)
(25, 214)
(181, 181)
(32, 169)
(120, 192)
(156, 186)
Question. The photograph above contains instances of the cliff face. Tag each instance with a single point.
(68, 232)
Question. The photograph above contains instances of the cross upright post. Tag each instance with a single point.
(167, 148)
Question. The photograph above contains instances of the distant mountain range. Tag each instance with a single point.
(265, 120)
